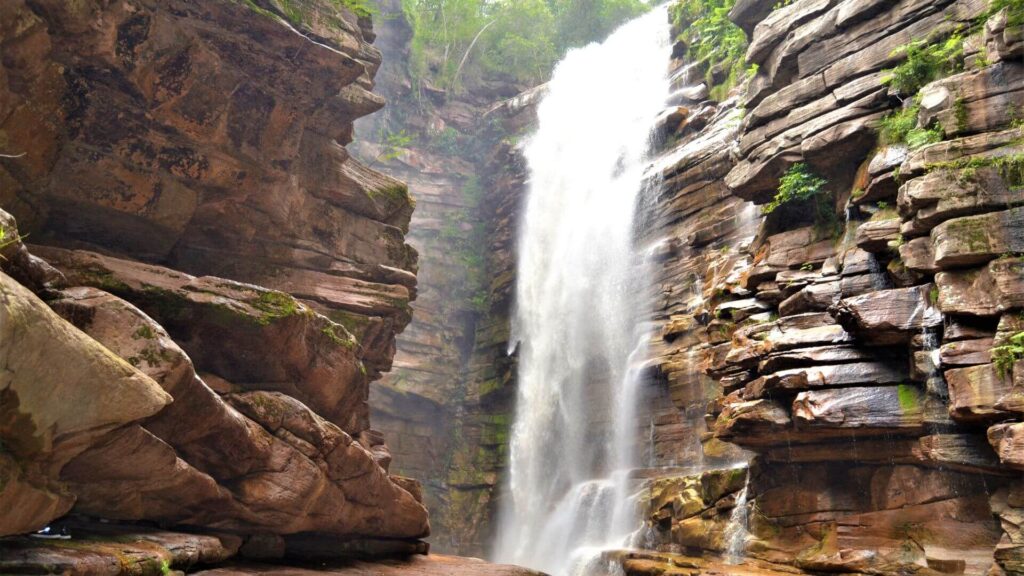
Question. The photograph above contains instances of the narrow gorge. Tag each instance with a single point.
(577, 287)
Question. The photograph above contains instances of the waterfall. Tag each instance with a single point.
(579, 302)
(737, 532)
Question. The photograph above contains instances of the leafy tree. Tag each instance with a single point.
(580, 22)
(456, 40)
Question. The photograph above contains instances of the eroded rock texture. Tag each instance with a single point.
(212, 286)
(863, 361)
(446, 406)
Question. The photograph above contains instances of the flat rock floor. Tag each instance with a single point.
(112, 550)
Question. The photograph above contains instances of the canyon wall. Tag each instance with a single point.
(863, 344)
(446, 406)
(211, 284)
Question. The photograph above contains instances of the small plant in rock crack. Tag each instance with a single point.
(1003, 357)
(798, 183)
(925, 61)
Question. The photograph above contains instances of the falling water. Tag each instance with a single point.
(737, 531)
(579, 303)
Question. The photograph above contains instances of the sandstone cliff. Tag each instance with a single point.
(446, 406)
(861, 353)
(212, 284)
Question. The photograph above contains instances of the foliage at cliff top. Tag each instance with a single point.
(712, 41)
(456, 41)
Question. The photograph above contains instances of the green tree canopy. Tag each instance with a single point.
(456, 40)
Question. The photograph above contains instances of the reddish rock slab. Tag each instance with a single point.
(256, 338)
(975, 392)
(1008, 441)
(987, 291)
(888, 316)
(974, 240)
(97, 550)
(879, 410)
(432, 565)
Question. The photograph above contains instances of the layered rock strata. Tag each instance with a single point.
(866, 360)
(446, 407)
(213, 282)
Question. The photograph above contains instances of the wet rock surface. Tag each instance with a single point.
(856, 360)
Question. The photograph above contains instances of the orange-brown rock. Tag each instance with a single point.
(252, 461)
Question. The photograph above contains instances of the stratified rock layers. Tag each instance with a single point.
(213, 283)
(865, 362)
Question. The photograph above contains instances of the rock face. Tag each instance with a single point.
(865, 363)
(212, 286)
(446, 407)
(226, 158)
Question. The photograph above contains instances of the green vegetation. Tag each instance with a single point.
(392, 144)
(1010, 168)
(7, 239)
(800, 186)
(900, 127)
(712, 41)
(925, 61)
(1015, 15)
(1003, 357)
(798, 183)
(274, 305)
(362, 8)
(345, 340)
(455, 41)
(909, 397)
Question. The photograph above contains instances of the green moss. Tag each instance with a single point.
(391, 195)
(909, 398)
(355, 324)
(274, 305)
(344, 340)
(144, 332)
(972, 231)
(1010, 168)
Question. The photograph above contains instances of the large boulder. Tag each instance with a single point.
(259, 461)
(61, 392)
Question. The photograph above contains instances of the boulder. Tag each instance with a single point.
(966, 352)
(115, 550)
(1008, 441)
(752, 422)
(967, 452)
(98, 392)
(821, 376)
(875, 235)
(948, 193)
(259, 462)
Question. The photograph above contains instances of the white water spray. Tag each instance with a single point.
(579, 302)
